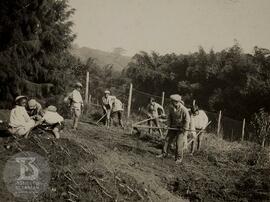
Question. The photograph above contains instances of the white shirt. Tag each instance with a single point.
(109, 100)
(19, 117)
(52, 117)
(117, 105)
(76, 98)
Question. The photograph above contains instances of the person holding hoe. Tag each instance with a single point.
(153, 109)
(178, 119)
(107, 105)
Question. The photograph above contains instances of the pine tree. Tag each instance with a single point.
(34, 40)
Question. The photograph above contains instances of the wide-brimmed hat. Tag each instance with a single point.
(20, 97)
(177, 98)
(51, 108)
(107, 92)
(32, 103)
(78, 84)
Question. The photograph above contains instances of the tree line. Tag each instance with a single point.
(230, 80)
(36, 36)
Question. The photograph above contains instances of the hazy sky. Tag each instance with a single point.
(167, 26)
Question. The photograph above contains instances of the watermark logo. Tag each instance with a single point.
(27, 174)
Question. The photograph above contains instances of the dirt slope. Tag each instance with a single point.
(113, 165)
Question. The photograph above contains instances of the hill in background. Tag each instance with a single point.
(118, 61)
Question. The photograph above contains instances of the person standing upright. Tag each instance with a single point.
(178, 118)
(76, 104)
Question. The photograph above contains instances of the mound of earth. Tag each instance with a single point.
(98, 164)
(72, 177)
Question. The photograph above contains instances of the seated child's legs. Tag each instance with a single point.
(56, 129)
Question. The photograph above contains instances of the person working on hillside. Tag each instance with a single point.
(76, 104)
(117, 109)
(178, 118)
(34, 109)
(20, 122)
(52, 120)
(153, 109)
(107, 105)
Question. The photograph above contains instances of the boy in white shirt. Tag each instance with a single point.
(52, 119)
(76, 104)
(153, 112)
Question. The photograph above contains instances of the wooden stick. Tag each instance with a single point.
(102, 188)
(143, 121)
(162, 100)
(139, 195)
(101, 118)
(72, 194)
(71, 200)
(198, 134)
(154, 127)
(243, 130)
(219, 120)
(129, 100)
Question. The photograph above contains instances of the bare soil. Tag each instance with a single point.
(97, 164)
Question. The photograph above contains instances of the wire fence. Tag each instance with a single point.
(230, 129)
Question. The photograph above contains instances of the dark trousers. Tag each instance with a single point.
(119, 116)
(181, 142)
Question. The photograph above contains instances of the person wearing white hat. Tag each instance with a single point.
(76, 104)
(34, 109)
(53, 120)
(178, 118)
(107, 105)
(20, 122)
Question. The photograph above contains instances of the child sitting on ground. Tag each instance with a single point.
(53, 120)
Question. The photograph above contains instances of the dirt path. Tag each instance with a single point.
(211, 175)
(119, 151)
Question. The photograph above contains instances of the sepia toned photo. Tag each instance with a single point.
(134, 100)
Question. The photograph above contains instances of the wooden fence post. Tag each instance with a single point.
(129, 100)
(87, 87)
(162, 99)
(219, 121)
(89, 99)
(243, 130)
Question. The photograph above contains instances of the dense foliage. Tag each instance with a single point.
(261, 123)
(34, 40)
(229, 80)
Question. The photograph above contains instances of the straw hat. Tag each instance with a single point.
(51, 108)
(78, 84)
(32, 103)
(107, 92)
(20, 97)
(177, 98)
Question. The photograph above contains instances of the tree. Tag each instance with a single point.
(34, 41)
(261, 124)
(229, 80)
